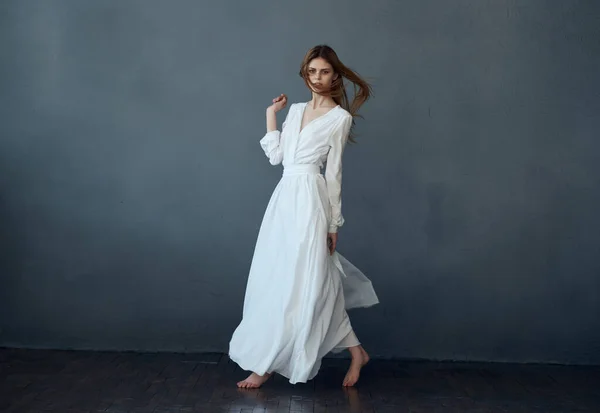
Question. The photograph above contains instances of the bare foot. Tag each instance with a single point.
(254, 381)
(359, 359)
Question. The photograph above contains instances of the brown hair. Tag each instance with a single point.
(362, 89)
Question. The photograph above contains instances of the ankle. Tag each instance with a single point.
(355, 352)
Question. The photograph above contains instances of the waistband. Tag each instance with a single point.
(302, 169)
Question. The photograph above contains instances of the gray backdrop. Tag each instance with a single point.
(132, 184)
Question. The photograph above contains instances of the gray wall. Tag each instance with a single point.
(132, 185)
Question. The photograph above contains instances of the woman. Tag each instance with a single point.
(299, 287)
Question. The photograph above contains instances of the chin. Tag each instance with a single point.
(319, 90)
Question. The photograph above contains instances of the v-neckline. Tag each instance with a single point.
(303, 111)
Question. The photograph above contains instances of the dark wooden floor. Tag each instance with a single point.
(69, 381)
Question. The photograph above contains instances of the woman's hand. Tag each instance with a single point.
(332, 238)
(278, 103)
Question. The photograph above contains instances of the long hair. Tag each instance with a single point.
(362, 89)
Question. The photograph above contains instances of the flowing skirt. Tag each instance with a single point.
(297, 293)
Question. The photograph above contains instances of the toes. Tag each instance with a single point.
(247, 385)
(349, 381)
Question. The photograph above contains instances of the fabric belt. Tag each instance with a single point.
(301, 169)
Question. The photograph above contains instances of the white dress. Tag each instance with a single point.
(297, 293)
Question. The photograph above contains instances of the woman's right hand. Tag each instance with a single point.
(279, 103)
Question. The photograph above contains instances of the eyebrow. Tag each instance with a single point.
(314, 68)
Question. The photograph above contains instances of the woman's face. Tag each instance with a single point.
(320, 74)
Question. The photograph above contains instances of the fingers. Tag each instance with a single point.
(331, 243)
(280, 98)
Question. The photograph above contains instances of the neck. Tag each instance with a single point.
(320, 101)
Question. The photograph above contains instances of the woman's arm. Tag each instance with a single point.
(333, 173)
(278, 103)
(271, 119)
(272, 142)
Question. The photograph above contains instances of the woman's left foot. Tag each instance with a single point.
(358, 362)
(254, 381)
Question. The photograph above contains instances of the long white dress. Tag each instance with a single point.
(297, 293)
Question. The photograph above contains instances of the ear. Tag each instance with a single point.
(335, 76)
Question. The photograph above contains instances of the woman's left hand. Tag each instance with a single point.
(332, 241)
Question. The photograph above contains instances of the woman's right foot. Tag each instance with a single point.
(359, 359)
(254, 381)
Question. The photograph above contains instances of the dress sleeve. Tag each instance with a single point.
(333, 172)
(272, 142)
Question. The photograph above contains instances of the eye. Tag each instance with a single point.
(311, 70)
